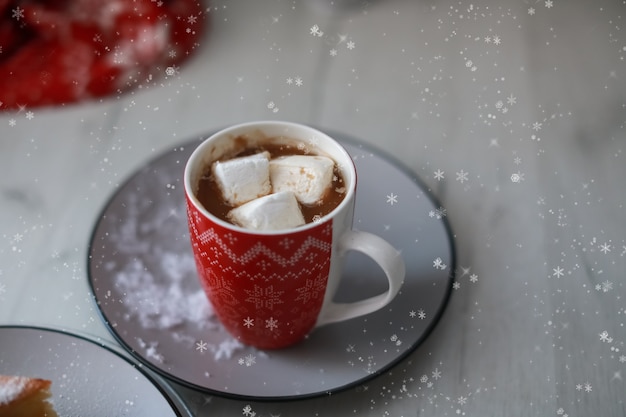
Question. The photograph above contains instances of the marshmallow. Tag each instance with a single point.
(243, 179)
(271, 212)
(309, 176)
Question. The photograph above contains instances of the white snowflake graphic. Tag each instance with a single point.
(517, 177)
(558, 272)
(17, 13)
(462, 176)
(315, 31)
(604, 337)
(392, 199)
(271, 324)
(248, 360)
(394, 338)
(201, 346)
(272, 106)
(606, 286)
(247, 411)
(439, 175)
(511, 100)
(171, 71)
(439, 264)
(438, 213)
(248, 322)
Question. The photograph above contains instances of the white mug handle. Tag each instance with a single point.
(390, 261)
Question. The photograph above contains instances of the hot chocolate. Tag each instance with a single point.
(318, 185)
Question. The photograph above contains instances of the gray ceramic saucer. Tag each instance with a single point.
(143, 277)
(88, 379)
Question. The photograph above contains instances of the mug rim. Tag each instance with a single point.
(196, 158)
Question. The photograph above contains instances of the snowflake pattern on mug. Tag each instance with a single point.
(263, 288)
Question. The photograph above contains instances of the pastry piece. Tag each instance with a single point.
(25, 397)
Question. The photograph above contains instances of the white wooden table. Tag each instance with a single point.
(512, 112)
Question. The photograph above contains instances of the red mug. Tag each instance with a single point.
(270, 289)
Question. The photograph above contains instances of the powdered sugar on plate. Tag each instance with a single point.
(167, 304)
(157, 278)
(153, 272)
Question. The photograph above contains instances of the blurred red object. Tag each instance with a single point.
(64, 51)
